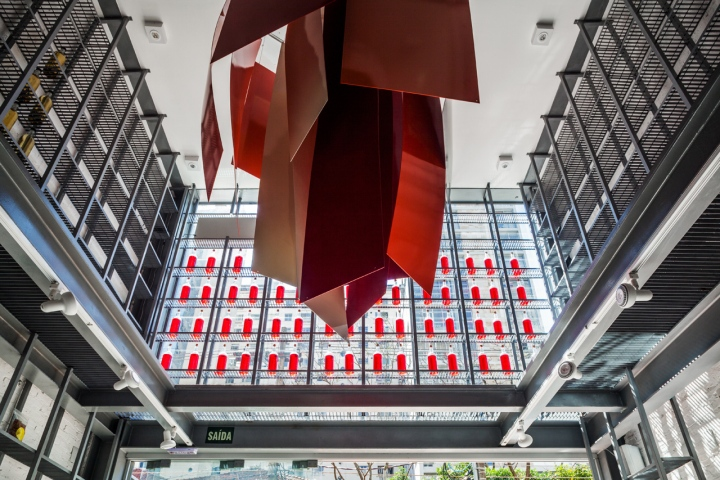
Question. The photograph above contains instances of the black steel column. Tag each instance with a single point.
(82, 448)
(686, 437)
(588, 450)
(613, 94)
(27, 17)
(258, 340)
(131, 202)
(619, 457)
(555, 238)
(516, 327)
(568, 187)
(17, 373)
(589, 145)
(662, 59)
(645, 429)
(151, 229)
(526, 203)
(109, 154)
(213, 307)
(50, 426)
(36, 59)
(83, 104)
(114, 450)
(413, 315)
(311, 348)
(467, 352)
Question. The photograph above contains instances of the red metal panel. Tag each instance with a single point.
(249, 137)
(241, 71)
(211, 143)
(419, 46)
(419, 208)
(249, 20)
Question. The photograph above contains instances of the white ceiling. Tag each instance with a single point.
(517, 82)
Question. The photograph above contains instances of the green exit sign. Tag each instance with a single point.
(220, 435)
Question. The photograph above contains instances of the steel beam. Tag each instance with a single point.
(50, 427)
(613, 94)
(82, 448)
(684, 183)
(662, 59)
(371, 398)
(619, 457)
(367, 438)
(17, 373)
(588, 450)
(686, 438)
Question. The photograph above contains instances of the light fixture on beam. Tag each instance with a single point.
(168, 439)
(628, 293)
(523, 439)
(128, 379)
(60, 302)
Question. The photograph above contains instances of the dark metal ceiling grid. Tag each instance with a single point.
(90, 96)
(22, 298)
(688, 33)
(605, 365)
(683, 279)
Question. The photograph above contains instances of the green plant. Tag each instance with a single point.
(454, 471)
(400, 474)
(561, 472)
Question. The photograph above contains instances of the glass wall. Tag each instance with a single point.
(221, 323)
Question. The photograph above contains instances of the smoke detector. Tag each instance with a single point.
(542, 34)
(504, 162)
(192, 162)
(155, 32)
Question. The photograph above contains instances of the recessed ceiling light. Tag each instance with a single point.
(155, 32)
(542, 34)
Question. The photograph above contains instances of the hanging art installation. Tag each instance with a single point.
(346, 137)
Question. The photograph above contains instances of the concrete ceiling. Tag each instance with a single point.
(517, 83)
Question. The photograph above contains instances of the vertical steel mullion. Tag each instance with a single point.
(588, 143)
(151, 229)
(521, 352)
(213, 309)
(83, 105)
(17, 373)
(50, 425)
(311, 348)
(362, 349)
(27, 17)
(555, 238)
(82, 448)
(568, 187)
(646, 430)
(108, 156)
(213, 322)
(258, 340)
(686, 437)
(36, 59)
(413, 315)
(613, 94)
(659, 54)
(588, 450)
(537, 249)
(114, 449)
(169, 266)
(467, 352)
(619, 457)
(131, 201)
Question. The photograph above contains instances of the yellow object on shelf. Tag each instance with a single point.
(11, 118)
(27, 142)
(54, 64)
(39, 112)
(28, 91)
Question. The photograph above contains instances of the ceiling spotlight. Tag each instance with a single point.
(523, 439)
(628, 293)
(128, 379)
(60, 302)
(542, 34)
(168, 436)
(567, 370)
(155, 32)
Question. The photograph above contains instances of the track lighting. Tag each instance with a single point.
(128, 379)
(567, 370)
(628, 293)
(523, 439)
(168, 436)
(60, 302)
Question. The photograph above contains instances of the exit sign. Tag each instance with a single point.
(220, 435)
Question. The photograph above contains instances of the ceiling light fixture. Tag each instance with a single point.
(60, 302)
(168, 436)
(128, 379)
(628, 293)
(523, 439)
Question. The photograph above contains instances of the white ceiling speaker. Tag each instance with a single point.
(504, 162)
(60, 302)
(155, 32)
(628, 293)
(523, 439)
(168, 436)
(192, 162)
(567, 370)
(128, 379)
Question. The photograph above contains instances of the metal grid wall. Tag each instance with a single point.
(649, 62)
(69, 113)
(346, 416)
(188, 329)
